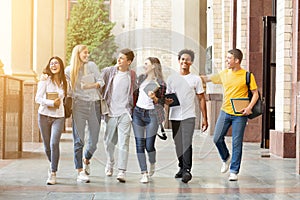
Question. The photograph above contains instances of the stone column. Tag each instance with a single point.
(49, 34)
(16, 37)
(283, 138)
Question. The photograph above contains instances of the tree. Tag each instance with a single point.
(89, 24)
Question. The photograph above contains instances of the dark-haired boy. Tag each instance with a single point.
(186, 86)
(120, 82)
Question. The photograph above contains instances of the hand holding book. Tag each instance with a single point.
(53, 96)
(239, 104)
(172, 100)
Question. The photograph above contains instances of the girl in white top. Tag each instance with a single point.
(146, 118)
(51, 91)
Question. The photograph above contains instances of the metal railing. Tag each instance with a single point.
(11, 112)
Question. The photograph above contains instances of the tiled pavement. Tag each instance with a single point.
(259, 178)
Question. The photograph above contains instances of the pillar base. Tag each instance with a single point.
(30, 128)
(283, 144)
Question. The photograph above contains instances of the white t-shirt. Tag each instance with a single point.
(186, 87)
(119, 99)
(144, 101)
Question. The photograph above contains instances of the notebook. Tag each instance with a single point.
(175, 99)
(51, 95)
(151, 86)
(238, 104)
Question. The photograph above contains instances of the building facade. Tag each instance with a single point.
(35, 30)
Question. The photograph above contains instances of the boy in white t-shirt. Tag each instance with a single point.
(120, 82)
(185, 85)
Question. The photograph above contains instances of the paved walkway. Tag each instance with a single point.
(259, 178)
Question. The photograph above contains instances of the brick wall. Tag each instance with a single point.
(242, 29)
(218, 53)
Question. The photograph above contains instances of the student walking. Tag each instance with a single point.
(186, 86)
(148, 114)
(233, 79)
(52, 89)
(120, 82)
(85, 81)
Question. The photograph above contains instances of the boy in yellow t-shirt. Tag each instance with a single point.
(233, 79)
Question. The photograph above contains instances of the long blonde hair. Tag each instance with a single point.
(158, 69)
(76, 63)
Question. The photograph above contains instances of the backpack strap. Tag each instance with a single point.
(133, 80)
(248, 83)
(248, 78)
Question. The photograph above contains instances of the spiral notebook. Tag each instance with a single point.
(238, 104)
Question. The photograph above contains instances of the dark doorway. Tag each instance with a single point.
(269, 78)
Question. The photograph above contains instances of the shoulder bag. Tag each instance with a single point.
(68, 106)
(257, 108)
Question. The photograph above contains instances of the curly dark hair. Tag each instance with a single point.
(187, 51)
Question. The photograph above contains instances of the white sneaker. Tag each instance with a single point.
(233, 177)
(226, 165)
(86, 167)
(82, 177)
(109, 171)
(51, 179)
(145, 178)
(152, 169)
(121, 176)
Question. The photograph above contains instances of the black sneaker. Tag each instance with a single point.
(186, 177)
(179, 173)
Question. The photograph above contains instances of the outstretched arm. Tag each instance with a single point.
(205, 78)
(202, 102)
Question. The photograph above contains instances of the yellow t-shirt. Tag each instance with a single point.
(234, 85)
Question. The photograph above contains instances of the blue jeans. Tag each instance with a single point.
(238, 124)
(183, 132)
(85, 113)
(145, 126)
(51, 129)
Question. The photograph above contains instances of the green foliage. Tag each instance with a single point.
(89, 24)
